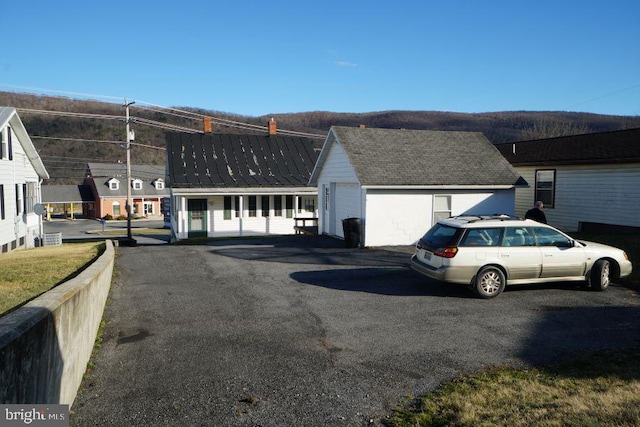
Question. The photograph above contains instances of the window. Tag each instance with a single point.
(227, 207)
(2, 215)
(30, 197)
(9, 140)
(231, 203)
(265, 206)
(546, 187)
(306, 204)
(18, 199)
(159, 184)
(289, 206)
(277, 205)
(550, 237)
(3, 144)
(482, 237)
(441, 208)
(114, 184)
(253, 206)
(517, 236)
(137, 184)
(116, 209)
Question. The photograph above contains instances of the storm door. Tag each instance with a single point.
(197, 217)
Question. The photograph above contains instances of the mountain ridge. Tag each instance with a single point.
(67, 142)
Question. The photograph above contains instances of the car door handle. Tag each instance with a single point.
(548, 255)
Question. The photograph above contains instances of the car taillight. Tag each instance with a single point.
(447, 252)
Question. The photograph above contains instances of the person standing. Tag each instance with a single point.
(536, 213)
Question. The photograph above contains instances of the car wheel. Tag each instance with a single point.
(600, 275)
(490, 282)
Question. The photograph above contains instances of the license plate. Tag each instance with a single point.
(426, 256)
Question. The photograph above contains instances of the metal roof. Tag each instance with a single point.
(239, 161)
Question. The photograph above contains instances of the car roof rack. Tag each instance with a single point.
(487, 217)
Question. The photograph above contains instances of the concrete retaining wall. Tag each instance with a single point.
(46, 344)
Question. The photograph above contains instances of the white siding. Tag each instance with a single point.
(402, 217)
(244, 225)
(16, 225)
(397, 218)
(336, 171)
(607, 194)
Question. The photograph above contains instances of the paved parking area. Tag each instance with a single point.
(301, 331)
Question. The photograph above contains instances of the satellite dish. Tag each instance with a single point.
(39, 208)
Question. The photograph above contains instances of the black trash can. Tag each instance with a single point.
(351, 229)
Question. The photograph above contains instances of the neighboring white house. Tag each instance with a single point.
(585, 181)
(21, 175)
(239, 185)
(398, 182)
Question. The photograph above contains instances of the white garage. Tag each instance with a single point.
(399, 182)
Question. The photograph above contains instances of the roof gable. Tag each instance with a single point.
(398, 157)
(228, 160)
(102, 174)
(9, 116)
(622, 146)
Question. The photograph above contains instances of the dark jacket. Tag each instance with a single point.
(536, 214)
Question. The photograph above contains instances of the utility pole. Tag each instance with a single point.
(129, 241)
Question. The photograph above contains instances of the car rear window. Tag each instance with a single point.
(441, 235)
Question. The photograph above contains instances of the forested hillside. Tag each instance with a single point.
(69, 133)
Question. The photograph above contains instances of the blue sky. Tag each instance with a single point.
(265, 57)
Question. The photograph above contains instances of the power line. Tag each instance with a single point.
(58, 91)
(166, 110)
(100, 141)
(601, 97)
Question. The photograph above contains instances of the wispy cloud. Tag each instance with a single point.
(346, 64)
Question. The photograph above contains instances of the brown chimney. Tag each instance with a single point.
(273, 127)
(206, 122)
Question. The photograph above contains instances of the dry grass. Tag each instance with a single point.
(601, 390)
(25, 274)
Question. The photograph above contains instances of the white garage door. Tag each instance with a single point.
(346, 205)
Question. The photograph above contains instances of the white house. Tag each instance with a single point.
(239, 185)
(21, 175)
(398, 182)
(585, 181)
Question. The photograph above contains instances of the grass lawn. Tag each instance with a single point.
(25, 274)
(598, 390)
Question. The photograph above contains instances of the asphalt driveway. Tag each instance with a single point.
(301, 331)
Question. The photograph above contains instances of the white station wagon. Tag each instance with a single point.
(490, 252)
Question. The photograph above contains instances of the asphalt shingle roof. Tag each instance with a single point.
(622, 146)
(66, 194)
(103, 172)
(394, 157)
(237, 161)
